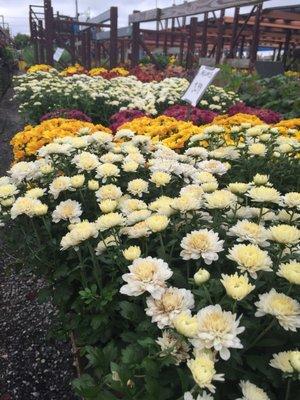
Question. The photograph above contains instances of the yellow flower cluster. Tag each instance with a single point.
(38, 68)
(97, 71)
(27, 142)
(73, 70)
(120, 71)
(168, 130)
(292, 74)
(237, 119)
(289, 127)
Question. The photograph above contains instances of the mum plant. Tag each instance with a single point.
(177, 274)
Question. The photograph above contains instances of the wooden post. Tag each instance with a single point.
(35, 43)
(172, 30)
(49, 31)
(41, 42)
(255, 40)
(191, 42)
(204, 36)
(241, 51)
(135, 43)
(72, 45)
(113, 46)
(286, 47)
(279, 52)
(122, 51)
(232, 49)
(97, 54)
(181, 51)
(88, 49)
(219, 43)
(83, 48)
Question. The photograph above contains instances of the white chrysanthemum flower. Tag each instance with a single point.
(282, 361)
(228, 153)
(8, 190)
(203, 371)
(237, 286)
(252, 392)
(79, 233)
(146, 275)
(132, 253)
(34, 193)
(197, 152)
(108, 192)
(250, 258)
(160, 178)
(261, 194)
(285, 234)
(69, 210)
(107, 170)
(137, 187)
(257, 149)
(127, 206)
(213, 166)
(163, 206)
(137, 216)
(60, 184)
(192, 190)
(170, 304)
(109, 220)
(290, 271)
(285, 309)
(28, 206)
(203, 396)
(172, 345)
(292, 199)
(55, 148)
(203, 243)
(246, 231)
(217, 329)
(220, 199)
(85, 161)
(238, 187)
(136, 231)
(23, 170)
(186, 203)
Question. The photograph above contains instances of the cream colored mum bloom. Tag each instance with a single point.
(172, 344)
(77, 181)
(107, 170)
(146, 275)
(285, 309)
(237, 286)
(111, 192)
(247, 231)
(128, 205)
(252, 392)
(220, 199)
(137, 230)
(137, 187)
(35, 193)
(163, 206)
(204, 373)
(238, 187)
(257, 149)
(132, 253)
(109, 220)
(26, 206)
(203, 243)
(107, 206)
(79, 233)
(282, 361)
(261, 194)
(203, 396)
(185, 324)
(295, 360)
(60, 184)
(69, 210)
(259, 179)
(85, 161)
(250, 258)
(102, 246)
(285, 234)
(209, 187)
(130, 166)
(192, 190)
(213, 167)
(160, 178)
(157, 223)
(292, 199)
(93, 185)
(186, 203)
(201, 276)
(290, 271)
(217, 329)
(137, 216)
(170, 304)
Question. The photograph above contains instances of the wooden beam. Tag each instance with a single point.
(219, 43)
(113, 47)
(186, 9)
(105, 16)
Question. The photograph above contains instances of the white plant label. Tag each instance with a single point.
(58, 53)
(198, 86)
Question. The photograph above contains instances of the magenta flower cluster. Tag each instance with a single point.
(268, 116)
(66, 113)
(190, 113)
(121, 117)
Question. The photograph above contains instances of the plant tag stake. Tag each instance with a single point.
(199, 84)
(58, 53)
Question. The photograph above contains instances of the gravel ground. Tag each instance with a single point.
(32, 366)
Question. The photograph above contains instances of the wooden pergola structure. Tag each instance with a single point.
(78, 38)
(197, 32)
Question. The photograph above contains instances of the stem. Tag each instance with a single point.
(162, 245)
(207, 293)
(81, 264)
(97, 272)
(262, 334)
(288, 390)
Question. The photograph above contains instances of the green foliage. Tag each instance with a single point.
(21, 41)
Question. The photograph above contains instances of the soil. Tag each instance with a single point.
(32, 366)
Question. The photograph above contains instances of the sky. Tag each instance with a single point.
(15, 12)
